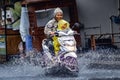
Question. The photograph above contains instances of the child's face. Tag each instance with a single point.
(58, 16)
(64, 26)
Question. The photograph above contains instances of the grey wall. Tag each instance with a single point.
(96, 13)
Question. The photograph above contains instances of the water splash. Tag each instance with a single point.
(92, 64)
(102, 63)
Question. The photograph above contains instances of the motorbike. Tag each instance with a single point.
(66, 60)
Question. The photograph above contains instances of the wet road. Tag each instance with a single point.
(93, 65)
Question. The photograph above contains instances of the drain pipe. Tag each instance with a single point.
(111, 29)
(118, 7)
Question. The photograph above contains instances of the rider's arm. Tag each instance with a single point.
(47, 30)
(66, 32)
(70, 32)
(61, 33)
(49, 27)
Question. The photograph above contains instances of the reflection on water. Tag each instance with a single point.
(101, 64)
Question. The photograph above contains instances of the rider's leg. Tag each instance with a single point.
(49, 43)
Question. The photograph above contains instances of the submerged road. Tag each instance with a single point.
(93, 65)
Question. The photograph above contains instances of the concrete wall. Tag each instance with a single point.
(96, 13)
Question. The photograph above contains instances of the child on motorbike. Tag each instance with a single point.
(62, 30)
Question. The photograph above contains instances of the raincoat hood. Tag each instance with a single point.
(57, 10)
(61, 23)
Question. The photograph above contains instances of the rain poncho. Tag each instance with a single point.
(61, 24)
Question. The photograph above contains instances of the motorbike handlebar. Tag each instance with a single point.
(57, 34)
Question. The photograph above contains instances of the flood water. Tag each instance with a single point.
(102, 64)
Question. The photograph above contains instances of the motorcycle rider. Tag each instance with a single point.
(51, 26)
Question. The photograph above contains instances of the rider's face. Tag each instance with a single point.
(58, 16)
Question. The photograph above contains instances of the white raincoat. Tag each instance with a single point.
(24, 23)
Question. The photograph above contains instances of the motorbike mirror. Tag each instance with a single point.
(78, 25)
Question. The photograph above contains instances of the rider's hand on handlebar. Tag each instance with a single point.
(52, 33)
(75, 32)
